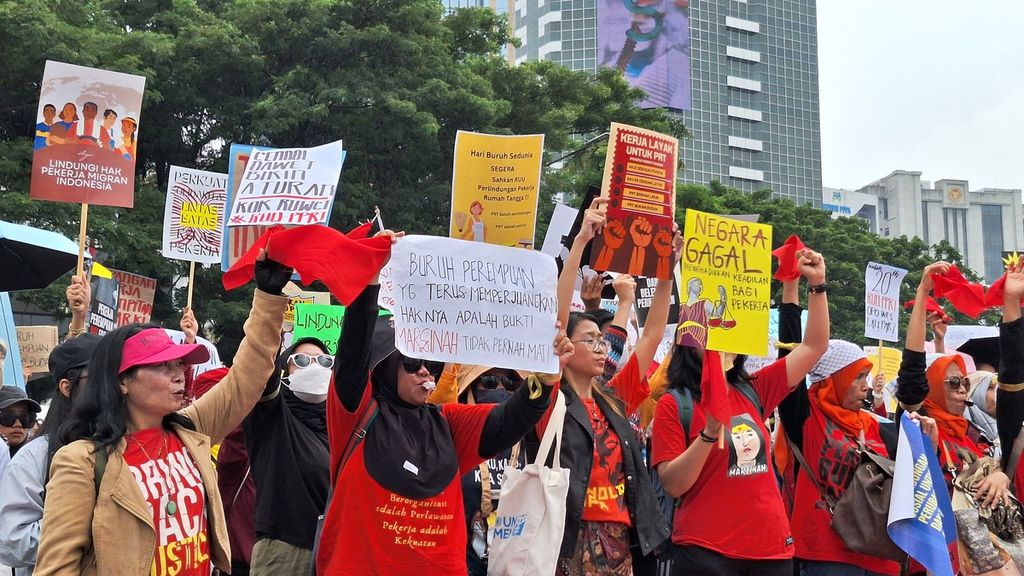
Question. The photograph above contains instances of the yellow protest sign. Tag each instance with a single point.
(889, 362)
(495, 188)
(726, 269)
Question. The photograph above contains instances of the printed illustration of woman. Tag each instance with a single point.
(127, 147)
(746, 454)
(697, 314)
(63, 131)
(471, 227)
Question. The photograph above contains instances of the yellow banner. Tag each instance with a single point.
(889, 363)
(726, 284)
(495, 188)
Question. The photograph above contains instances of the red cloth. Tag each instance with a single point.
(344, 264)
(713, 515)
(786, 255)
(370, 531)
(165, 472)
(606, 492)
(832, 455)
(966, 296)
(930, 306)
(714, 395)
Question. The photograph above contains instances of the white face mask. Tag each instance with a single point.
(310, 384)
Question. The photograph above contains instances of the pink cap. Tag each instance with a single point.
(154, 346)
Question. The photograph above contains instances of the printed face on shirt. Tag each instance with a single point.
(956, 400)
(747, 455)
(585, 362)
(155, 390)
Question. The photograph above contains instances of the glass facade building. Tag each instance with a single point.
(754, 114)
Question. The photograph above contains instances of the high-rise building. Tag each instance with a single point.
(754, 113)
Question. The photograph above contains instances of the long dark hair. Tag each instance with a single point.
(58, 413)
(98, 413)
(686, 366)
(575, 318)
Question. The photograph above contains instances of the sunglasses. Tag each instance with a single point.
(413, 365)
(955, 382)
(303, 360)
(8, 419)
(492, 381)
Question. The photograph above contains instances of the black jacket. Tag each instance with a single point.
(650, 529)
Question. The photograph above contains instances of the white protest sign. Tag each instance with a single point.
(473, 303)
(194, 215)
(288, 186)
(882, 301)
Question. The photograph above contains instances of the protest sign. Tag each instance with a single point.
(86, 135)
(135, 297)
(640, 183)
(103, 310)
(320, 321)
(35, 344)
(726, 268)
(495, 188)
(888, 364)
(882, 301)
(289, 186)
(645, 293)
(755, 363)
(10, 356)
(556, 241)
(297, 295)
(473, 303)
(237, 240)
(194, 215)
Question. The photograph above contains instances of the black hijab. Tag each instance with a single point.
(408, 449)
(312, 416)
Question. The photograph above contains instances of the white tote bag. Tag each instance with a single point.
(527, 534)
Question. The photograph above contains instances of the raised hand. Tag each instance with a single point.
(79, 295)
(590, 291)
(189, 325)
(940, 268)
(594, 219)
(1013, 288)
(614, 234)
(625, 289)
(811, 266)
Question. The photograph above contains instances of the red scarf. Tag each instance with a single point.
(827, 396)
(345, 264)
(951, 425)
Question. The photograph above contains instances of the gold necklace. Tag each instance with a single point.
(171, 507)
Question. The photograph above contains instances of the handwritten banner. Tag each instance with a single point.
(495, 188)
(640, 184)
(473, 303)
(135, 297)
(319, 321)
(194, 215)
(882, 301)
(645, 293)
(726, 269)
(290, 186)
(86, 135)
(35, 344)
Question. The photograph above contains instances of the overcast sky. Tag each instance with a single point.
(935, 86)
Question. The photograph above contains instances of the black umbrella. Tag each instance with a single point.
(32, 258)
(982, 350)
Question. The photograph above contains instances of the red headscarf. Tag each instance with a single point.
(827, 395)
(935, 403)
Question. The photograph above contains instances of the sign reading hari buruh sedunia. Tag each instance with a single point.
(194, 215)
(86, 136)
(639, 182)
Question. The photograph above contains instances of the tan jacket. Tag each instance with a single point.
(113, 534)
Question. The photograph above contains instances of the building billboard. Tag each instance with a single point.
(649, 42)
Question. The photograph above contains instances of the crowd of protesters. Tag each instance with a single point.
(276, 465)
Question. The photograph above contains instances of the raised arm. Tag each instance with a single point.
(1010, 395)
(593, 221)
(799, 362)
(657, 317)
(79, 296)
(795, 407)
(912, 385)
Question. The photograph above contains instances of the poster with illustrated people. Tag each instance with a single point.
(86, 136)
(748, 454)
(194, 215)
(639, 182)
(495, 188)
(726, 284)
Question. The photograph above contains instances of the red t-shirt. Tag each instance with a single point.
(369, 530)
(734, 508)
(834, 457)
(606, 493)
(171, 485)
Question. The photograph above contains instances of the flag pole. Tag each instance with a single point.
(83, 224)
(721, 433)
(191, 280)
(376, 216)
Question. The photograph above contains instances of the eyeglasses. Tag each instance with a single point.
(413, 365)
(8, 419)
(302, 360)
(955, 382)
(492, 381)
(593, 344)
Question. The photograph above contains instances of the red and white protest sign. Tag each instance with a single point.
(135, 300)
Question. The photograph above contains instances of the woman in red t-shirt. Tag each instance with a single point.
(396, 460)
(732, 520)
